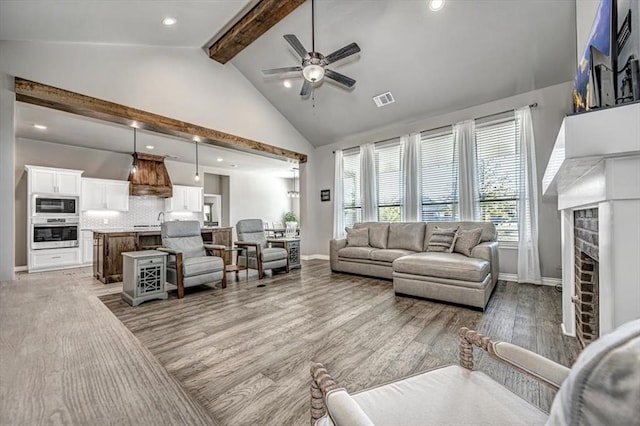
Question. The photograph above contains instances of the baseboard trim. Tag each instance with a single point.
(552, 282)
(21, 268)
(314, 257)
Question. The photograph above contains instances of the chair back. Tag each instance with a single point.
(251, 230)
(184, 236)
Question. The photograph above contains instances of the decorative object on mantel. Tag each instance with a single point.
(134, 166)
(325, 195)
(314, 63)
(608, 73)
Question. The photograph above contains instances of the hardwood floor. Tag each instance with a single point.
(244, 352)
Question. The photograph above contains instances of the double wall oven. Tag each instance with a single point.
(55, 222)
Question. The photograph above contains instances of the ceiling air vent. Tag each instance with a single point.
(384, 99)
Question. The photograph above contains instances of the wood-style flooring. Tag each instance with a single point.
(244, 352)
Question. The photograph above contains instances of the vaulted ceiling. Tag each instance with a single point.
(468, 53)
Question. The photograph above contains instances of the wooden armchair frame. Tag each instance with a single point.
(259, 258)
(210, 250)
(322, 383)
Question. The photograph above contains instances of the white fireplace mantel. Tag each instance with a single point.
(596, 163)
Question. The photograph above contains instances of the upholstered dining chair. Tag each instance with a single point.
(602, 388)
(259, 255)
(191, 261)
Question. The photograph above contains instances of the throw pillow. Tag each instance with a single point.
(442, 239)
(357, 237)
(466, 240)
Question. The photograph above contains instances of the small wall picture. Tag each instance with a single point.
(325, 195)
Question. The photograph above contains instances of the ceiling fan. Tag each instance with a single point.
(314, 64)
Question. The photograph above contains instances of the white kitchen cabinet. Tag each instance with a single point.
(47, 180)
(104, 194)
(54, 259)
(185, 199)
(87, 247)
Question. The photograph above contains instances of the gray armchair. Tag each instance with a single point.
(190, 260)
(260, 256)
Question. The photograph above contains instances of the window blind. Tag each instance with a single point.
(497, 160)
(352, 207)
(439, 173)
(390, 184)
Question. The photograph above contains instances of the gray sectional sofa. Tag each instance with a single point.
(398, 251)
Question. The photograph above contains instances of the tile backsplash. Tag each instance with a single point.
(142, 211)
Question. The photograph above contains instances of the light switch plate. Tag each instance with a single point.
(105, 221)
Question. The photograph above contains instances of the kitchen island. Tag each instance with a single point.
(109, 244)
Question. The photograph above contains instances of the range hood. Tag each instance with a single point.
(150, 176)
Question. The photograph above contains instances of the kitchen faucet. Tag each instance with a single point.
(160, 218)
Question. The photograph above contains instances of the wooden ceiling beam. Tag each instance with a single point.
(52, 97)
(252, 25)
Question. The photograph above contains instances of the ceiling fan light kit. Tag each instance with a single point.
(314, 64)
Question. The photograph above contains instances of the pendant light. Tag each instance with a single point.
(197, 176)
(294, 193)
(134, 167)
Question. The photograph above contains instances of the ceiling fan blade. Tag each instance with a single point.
(297, 46)
(346, 51)
(340, 78)
(281, 70)
(306, 88)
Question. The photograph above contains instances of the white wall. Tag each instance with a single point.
(553, 104)
(181, 83)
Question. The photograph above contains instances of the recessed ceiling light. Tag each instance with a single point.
(287, 84)
(219, 159)
(234, 165)
(150, 146)
(436, 5)
(40, 127)
(168, 21)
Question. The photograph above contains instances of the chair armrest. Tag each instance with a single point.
(529, 363)
(215, 246)
(344, 410)
(248, 244)
(170, 251)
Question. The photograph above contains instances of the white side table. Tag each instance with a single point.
(143, 276)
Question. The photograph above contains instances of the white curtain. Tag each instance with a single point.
(528, 256)
(465, 139)
(368, 188)
(338, 196)
(411, 177)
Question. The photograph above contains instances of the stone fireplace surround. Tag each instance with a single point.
(595, 164)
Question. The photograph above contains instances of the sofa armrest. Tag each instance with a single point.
(529, 363)
(334, 246)
(488, 251)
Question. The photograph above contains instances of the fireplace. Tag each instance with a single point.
(594, 171)
(586, 292)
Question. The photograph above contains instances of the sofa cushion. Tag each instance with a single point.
(389, 255)
(408, 236)
(356, 252)
(489, 232)
(378, 233)
(443, 265)
(602, 387)
(466, 240)
(449, 395)
(202, 265)
(442, 240)
(357, 237)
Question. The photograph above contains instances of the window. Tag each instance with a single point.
(497, 163)
(389, 182)
(439, 172)
(352, 207)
